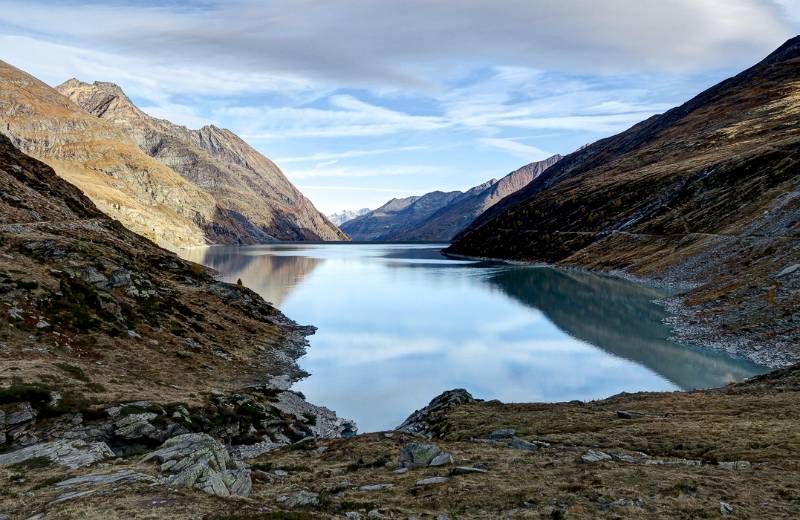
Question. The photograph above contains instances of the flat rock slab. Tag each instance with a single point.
(72, 454)
(432, 481)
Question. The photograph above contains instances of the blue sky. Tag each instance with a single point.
(360, 101)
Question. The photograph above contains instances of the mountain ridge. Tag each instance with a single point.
(704, 196)
(257, 202)
(438, 216)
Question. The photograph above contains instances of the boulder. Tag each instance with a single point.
(519, 444)
(198, 460)
(593, 456)
(504, 433)
(420, 455)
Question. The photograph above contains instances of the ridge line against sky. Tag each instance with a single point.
(361, 101)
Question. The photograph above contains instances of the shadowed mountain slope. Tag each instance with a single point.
(706, 195)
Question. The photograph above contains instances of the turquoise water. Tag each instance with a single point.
(399, 323)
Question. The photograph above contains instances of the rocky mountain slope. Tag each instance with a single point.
(439, 216)
(340, 217)
(255, 201)
(705, 197)
(98, 158)
(111, 346)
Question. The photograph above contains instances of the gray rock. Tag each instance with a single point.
(629, 414)
(788, 270)
(70, 453)
(135, 426)
(198, 460)
(505, 433)
(725, 509)
(735, 465)
(70, 495)
(593, 456)
(432, 481)
(375, 487)
(375, 514)
(418, 455)
(441, 460)
(119, 278)
(466, 470)
(23, 413)
(100, 479)
(519, 444)
(352, 515)
(400, 471)
(300, 498)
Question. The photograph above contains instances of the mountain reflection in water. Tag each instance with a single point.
(399, 323)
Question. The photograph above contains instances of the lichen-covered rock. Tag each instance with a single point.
(419, 455)
(200, 461)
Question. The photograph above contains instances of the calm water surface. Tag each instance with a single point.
(399, 323)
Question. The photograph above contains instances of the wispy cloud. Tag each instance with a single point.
(349, 154)
(527, 152)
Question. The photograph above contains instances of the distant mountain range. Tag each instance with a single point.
(706, 196)
(439, 216)
(343, 216)
(176, 186)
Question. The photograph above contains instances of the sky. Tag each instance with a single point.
(360, 101)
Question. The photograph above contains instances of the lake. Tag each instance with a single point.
(399, 323)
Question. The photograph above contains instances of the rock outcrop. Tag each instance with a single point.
(340, 217)
(255, 202)
(423, 422)
(439, 216)
(704, 196)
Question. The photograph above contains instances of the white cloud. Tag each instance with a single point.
(527, 152)
(330, 170)
(349, 154)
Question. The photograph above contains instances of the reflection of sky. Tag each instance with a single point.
(392, 334)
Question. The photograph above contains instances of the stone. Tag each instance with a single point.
(70, 453)
(418, 455)
(119, 278)
(72, 495)
(593, 456)
(441, 460)
(788, 270)
(519, 444)
(352, 515)
(735, 465)
(725, 509)
(400, 471)
(466, 470)
(629, 414)
(135, 426)
(375, 514)
(100, 479)
(300, 498)
(23, 413)
(432, 481)
(251, 451)
(375, 487)
(200, 461)
(505, 433)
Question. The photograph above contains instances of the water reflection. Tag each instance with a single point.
(621, 318)
(399, 323)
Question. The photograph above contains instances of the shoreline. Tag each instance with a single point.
(683, 320)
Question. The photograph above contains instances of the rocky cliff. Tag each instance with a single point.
(439, 216)
(255, 201)
(103, 162)
(705, 196)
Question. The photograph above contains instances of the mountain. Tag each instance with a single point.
(343, 216)
(98, 158)
(705, 197)
(439, 216)
(95, 315)
(255, 201)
